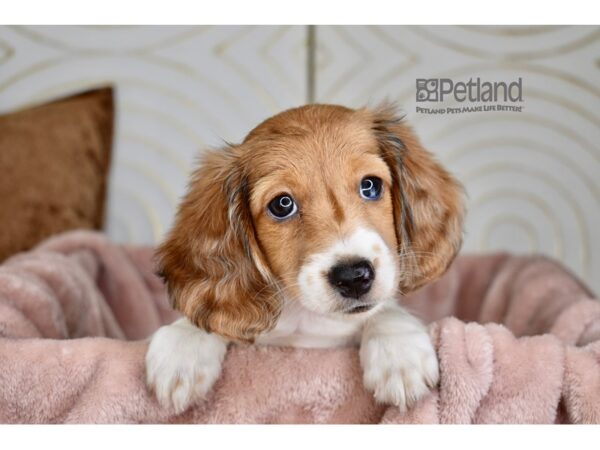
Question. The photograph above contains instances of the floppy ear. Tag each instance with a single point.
(214, 269)
(428, 202)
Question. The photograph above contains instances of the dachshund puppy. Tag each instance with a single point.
(305, 235)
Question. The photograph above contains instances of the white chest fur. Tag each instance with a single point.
(299, 327)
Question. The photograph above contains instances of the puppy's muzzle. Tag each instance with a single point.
(352, 279)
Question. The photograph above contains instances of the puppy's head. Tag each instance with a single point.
(334, 208)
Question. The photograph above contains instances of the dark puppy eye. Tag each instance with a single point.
(371, 188)
(282, 206)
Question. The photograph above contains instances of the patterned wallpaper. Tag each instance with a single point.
(533, 177)
(179, 89)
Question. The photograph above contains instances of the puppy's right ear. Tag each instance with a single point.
(211, 262)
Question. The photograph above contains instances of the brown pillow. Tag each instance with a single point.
(54, 162)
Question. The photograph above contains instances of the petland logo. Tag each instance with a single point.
(438, 90)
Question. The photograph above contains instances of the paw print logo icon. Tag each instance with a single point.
(427, 90)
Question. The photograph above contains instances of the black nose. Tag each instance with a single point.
(352, 279)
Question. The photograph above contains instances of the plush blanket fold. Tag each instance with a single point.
(518, 340)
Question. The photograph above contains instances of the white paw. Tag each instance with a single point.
(182, 364)
(399, 369)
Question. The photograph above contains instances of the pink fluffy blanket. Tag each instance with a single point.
(518, 340)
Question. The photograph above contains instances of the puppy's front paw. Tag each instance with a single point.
(182, 364)
(399, 369)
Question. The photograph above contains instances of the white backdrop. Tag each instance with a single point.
(533, 178)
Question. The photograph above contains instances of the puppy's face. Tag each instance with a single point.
(322, 206)
(336, 209)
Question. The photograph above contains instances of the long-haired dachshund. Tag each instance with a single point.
(305, 235)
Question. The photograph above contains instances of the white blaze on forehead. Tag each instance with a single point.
(319, 296)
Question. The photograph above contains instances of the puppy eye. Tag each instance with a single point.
(371, 188)
(283, 206)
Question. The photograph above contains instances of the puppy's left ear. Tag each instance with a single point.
(428, 202)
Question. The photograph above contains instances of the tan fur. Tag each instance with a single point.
(228, 264)
(211, 261)
(428, 202)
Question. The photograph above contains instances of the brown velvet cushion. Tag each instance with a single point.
(54, 162)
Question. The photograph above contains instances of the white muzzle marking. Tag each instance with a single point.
(319, 296)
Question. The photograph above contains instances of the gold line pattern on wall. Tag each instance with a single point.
(547, 156)
(179, 89)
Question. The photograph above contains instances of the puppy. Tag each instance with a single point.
(305, 235)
